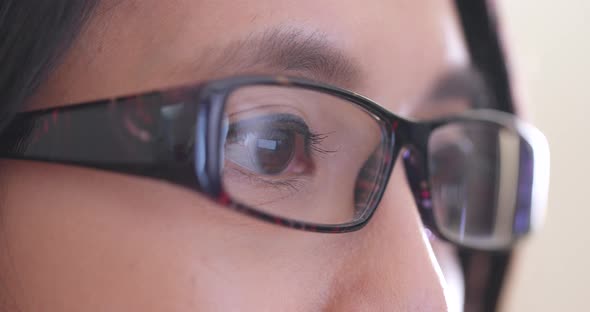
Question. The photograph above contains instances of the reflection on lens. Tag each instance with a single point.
(302, 154)
(267, 145)
(481, 179)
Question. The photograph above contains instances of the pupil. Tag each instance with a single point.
(273, 153)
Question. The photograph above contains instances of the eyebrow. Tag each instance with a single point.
(291, 51)
(294, 51)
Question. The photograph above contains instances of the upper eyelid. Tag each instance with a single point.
(303, 127)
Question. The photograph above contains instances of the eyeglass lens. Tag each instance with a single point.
(481, 179)
(291, 151)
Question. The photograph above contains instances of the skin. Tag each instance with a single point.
(76, 239)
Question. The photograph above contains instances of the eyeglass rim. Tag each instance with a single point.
(535, 140)
(215, 95)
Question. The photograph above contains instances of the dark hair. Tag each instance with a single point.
(33, 36)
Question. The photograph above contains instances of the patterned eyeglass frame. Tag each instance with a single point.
(76, 135)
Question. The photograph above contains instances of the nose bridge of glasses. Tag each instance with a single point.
(412, 141)
(411, 134)
(416, 170)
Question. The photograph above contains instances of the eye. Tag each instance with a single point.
(270, 151)
(270, 145)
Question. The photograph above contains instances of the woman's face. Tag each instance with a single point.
(84, 240)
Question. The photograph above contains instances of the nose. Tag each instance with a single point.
(392, 267)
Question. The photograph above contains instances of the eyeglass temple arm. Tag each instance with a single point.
(126, 136)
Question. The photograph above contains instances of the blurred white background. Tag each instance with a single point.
(550, 43)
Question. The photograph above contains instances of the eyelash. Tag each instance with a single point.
(315, 140)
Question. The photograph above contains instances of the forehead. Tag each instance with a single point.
(131, 46)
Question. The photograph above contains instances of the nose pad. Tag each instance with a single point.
(416, 168)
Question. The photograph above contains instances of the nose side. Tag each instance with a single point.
(390, 265)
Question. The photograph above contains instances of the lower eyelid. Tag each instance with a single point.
(292, 184)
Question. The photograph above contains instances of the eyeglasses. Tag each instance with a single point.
(305, 155)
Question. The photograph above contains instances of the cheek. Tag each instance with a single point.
(84, 240)
(78, 239)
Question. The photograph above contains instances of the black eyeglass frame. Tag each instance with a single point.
(20, 141)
